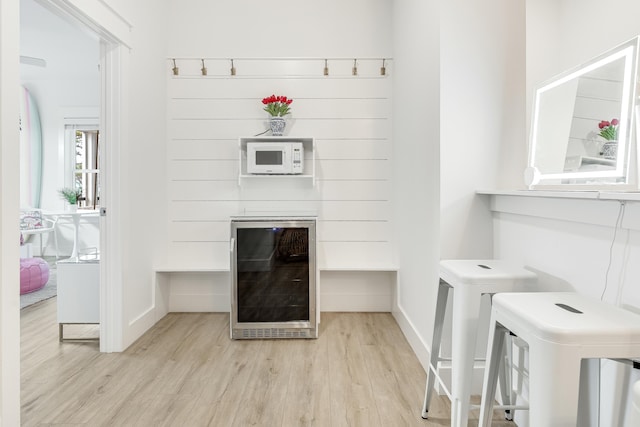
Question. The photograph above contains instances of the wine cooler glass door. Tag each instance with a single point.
(272, 274)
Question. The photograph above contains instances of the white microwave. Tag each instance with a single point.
(274, 158)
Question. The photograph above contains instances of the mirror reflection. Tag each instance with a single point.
(582, 121)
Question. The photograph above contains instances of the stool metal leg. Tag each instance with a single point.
(554, 385)
(466, 311)
(504, 377)
(497, 334)
(441, 308)
(589, 397)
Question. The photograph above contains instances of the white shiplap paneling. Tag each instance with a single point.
(350, 119)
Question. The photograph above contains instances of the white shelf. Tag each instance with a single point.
(567, 194)
(183, 269)
(309, 159)
(258, 176)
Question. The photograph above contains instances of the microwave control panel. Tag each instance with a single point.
(296, 159)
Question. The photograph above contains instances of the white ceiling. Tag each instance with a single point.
(69, 51)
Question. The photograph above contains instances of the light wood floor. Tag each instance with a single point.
(187, 372)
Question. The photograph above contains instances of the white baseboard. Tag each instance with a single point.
(420, 348)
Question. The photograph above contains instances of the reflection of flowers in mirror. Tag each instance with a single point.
(609, 129)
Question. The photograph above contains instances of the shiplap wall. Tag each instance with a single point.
(350, 119)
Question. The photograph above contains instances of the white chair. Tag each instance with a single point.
(469, 280)
(562, 329)
(33, 223)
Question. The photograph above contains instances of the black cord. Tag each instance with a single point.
(262, 133)
(613, 241)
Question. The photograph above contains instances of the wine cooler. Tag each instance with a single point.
(273, 274)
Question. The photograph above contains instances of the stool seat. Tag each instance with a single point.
(468, 280)
(493, 273)
(562, 329)
(568, 318)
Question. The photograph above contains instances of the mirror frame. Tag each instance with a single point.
(622, 177)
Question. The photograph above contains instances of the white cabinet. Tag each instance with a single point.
(78, 292)
(308, 172)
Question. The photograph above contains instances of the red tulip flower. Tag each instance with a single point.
(277, 106)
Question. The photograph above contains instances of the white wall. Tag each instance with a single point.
(482, 142)
(290, 28)
(482, 104)
(416, 134)
(349, 117)
(142, 191)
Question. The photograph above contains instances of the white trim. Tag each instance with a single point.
(419, 347)
(111, 300)
(114, 35)
(567, 194)
(600, 212)
(95, 15)
(9, 212)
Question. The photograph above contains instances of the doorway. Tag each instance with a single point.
(104, 86)
(59, 71)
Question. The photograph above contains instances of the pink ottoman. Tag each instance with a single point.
(34, 274)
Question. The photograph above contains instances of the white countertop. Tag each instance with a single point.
(595, 194)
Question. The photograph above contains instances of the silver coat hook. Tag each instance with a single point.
(233, 69)
(326, 68)
(383, 69)
(175, 69)
(203, 69)
(354, 70)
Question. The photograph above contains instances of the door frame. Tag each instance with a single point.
(113, 32)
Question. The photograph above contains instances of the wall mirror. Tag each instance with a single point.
(582, 127)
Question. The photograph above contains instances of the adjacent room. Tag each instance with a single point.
(59, 193)
(361, 212)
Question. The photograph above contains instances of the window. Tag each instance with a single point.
(84, 165)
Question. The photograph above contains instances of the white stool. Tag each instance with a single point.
(561, 329)
(469, 279)
(634, 411)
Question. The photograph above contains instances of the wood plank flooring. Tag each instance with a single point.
(186, 371)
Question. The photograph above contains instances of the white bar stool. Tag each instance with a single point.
(634, 411)
(561, 329)
(469, 280)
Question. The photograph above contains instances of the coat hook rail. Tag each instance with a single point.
(363, 67)
(284, 58)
